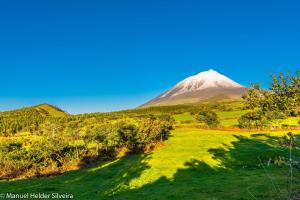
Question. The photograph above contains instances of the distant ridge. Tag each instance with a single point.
(50, 110)
(203, 86)
(45, 110)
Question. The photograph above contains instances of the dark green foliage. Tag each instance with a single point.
(128, 134)
(209, 118)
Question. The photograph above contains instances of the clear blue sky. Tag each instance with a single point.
(87, 56)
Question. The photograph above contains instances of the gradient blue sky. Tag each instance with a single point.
(87, 56)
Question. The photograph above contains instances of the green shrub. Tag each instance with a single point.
(128, 134)
(209, 118)
(253, 120)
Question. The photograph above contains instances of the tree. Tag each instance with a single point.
(128, 135)
(254, 97)
(105, 136)
(152, 130)
(210, 118)
(253, 120)
(295, 93)
(281, 100)
(281, 94)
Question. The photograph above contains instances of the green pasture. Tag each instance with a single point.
(192, 164)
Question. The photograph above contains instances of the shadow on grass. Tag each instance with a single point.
(91, 183)
(242, 174)
(249, 152)
(246, 171)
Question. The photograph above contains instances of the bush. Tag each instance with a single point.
(111, 137)
(271, 115)
(106, 137)
(187, 121)
(253, 120)
(209, 118)
(128, 134)
(153, 130)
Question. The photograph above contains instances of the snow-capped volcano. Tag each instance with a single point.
(201, 81)
(205, 85)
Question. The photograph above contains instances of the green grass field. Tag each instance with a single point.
(184, 117)
(227, 118)
(230, 118)
(192, 164)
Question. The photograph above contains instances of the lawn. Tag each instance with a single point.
(291, 121)
(227, 118)
(230, 118)
(184, 117)
(192, 164)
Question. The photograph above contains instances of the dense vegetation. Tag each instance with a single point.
(62, 143)
(27, 119)
(209, 118)
(281, 101)
(24, 119)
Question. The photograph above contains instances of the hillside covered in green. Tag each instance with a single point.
(27, 119)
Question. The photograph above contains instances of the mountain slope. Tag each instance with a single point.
(203, 86)
(45, 110)
(50, 110)
(27, 118)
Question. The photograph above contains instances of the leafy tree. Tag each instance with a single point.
(253, 120)
(210, 118)
(128, 134)
(153, 130)
(282, 100)
(254, 97)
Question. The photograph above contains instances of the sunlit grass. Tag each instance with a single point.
(185, 167)
(184, 117)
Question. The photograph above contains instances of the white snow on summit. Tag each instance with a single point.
(204, 80)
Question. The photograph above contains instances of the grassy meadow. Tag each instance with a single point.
(194, 163)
